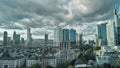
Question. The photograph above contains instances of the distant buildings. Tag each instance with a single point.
(117, 28)
(11, 62)
(66, 39)
(16, 38)
(102, 33)
(111, 33)
(29, 37)
(46, 39)
(5, 38)
(72, 37)
(22, 41)
(58, 36)
(80, 39)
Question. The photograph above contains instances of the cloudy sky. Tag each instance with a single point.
(44, 15)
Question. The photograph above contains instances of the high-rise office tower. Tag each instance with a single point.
(96, 39)
(17, 39)
(117, 27)
(73, 37)
(22, 41)
(5, 37)
(9, 40)
(111, 33)
(14, 37)
(66, 39)
(58, 36)
(46, 39)
(77, 38)
(80, 39)
(102, 33)
(29, 37)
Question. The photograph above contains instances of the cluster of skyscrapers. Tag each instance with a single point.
(65, 38)
(108, 33)
(15, 41)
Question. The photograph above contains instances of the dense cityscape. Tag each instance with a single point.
(68, 49)
(59, 34)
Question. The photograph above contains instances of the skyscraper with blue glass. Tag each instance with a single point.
(66, 39)
(102, 33)
(72, 37)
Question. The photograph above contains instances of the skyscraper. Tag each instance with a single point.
(22, 41)
(5, 37)
(117, 27)
(80, 39)
(66, 39)
(17, 39)
(102, 33)
(46, 39)
(14, 37)
(29, 37)
(96, 40)
(9, 40)
(58, 36)
(73, 37)
(111, 33)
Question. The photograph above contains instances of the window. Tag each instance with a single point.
(5, 66)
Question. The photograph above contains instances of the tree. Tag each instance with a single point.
(70, 66)
(96, 48)
(89, 54)
(35, 66)
(73, 62)
(48, 66)
(66, 62)
(118, 62)
(62, 65)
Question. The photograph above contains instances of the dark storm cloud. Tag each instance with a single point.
(49, 13)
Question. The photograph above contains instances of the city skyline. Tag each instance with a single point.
(17, 15)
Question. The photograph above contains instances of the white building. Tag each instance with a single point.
(58, 36)
(31, 61)
(111, 33)
(102, 59)
(50, 60)
(11, 62)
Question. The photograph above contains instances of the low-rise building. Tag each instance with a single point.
(31, 61)
(11, 62)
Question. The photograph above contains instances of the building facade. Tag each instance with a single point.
(73, 37)
(111, 33)
(102, 33)
(5, 37)
(58, 36)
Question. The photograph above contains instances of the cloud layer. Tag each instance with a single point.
(47, 14)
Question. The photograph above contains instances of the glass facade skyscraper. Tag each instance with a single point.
(66, 38)
(73, 36)
(117, 28)
(58, 36)
(102, 32)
